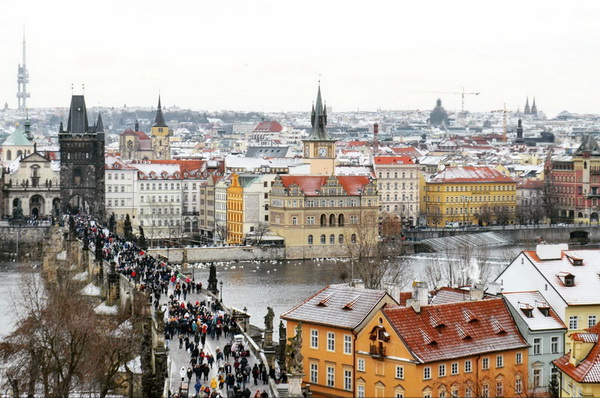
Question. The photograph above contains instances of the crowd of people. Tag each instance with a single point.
(191, 317)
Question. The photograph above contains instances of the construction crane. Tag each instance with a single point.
(504, 111)
(462, 94)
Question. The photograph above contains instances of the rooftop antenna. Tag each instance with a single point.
(83, 88)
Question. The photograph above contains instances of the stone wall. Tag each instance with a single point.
(215, 254)
(30, 240)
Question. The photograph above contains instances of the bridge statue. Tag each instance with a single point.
(293, 355)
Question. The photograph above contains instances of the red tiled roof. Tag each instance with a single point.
(393, 160)
(470, 174)
(271, 127)
(408, 151)
(184, 165)
(310, 184)
(356, 143)
(140, 134)
(489, 327)
(588, 370)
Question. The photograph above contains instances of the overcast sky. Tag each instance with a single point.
(269, 55)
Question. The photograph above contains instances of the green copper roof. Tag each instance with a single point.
(17, 138)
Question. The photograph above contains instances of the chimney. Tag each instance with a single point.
(357, 283)
(476, 293)
(420, 293)
(375, 139)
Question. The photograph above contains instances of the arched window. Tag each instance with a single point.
(353, 238)
(19, 153)
(332, 239)
(341, 220)
(310, 239)
(8, 155)
(323, 239)
(341, 239)
(323, 220)
(332, 220)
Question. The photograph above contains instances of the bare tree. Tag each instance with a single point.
(376, 259)
(550, 200)
(260, 230)
(221, 230)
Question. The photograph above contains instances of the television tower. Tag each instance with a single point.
(22, 80)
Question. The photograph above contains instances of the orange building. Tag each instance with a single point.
(235, 211)
(331, 320)
(466, 349)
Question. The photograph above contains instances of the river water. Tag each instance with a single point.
(254, 285)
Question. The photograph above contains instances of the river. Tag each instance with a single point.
(256, 286)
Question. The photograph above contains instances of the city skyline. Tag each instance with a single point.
(269, 56)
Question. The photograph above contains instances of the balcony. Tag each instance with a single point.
(377, 351)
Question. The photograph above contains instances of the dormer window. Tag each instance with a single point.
(378, 333)
(527, 309)
(575, 260)
(566, 278)
(544, 308)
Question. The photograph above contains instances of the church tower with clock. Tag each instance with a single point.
(319, 147)
(161, 146)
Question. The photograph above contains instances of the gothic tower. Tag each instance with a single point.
(161, 146)
(533, 108)
(527, 110)
(319, 147)
(82, 163)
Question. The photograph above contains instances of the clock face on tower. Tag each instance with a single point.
(322, 152)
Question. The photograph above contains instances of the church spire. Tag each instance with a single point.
(160, 119)
(527, 110)
(534, 107)
(318, 120)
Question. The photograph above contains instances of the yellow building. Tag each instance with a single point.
(579, 367)
(320, 216)
(330, 321)
(459, 196)
(235, 211)
(161, 145)
(465, 349)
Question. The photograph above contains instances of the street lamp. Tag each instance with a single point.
(221, 292)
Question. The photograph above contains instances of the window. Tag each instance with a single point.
(519, 358)
(310, 220)
(485, 363)
(468, 367)
(399, 372)
(592, 320)
(352, 238)
(537, 346)
(323, 239)
(361, 365)
(330, 376)
(347, 379)
(573, 322)
(554, 344)
(310, 239)
(468, 392)
(332, 239)
(442, 370)
(518, 385)
(361, 391)
(485, 391)
(330, 341)
(499, 361)
(426, 373)
(537, 377)
(314, 338)
(294, 220)
(314, 373)
(454, 368)
(347, 344)
(341, 239)
(499, 389)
